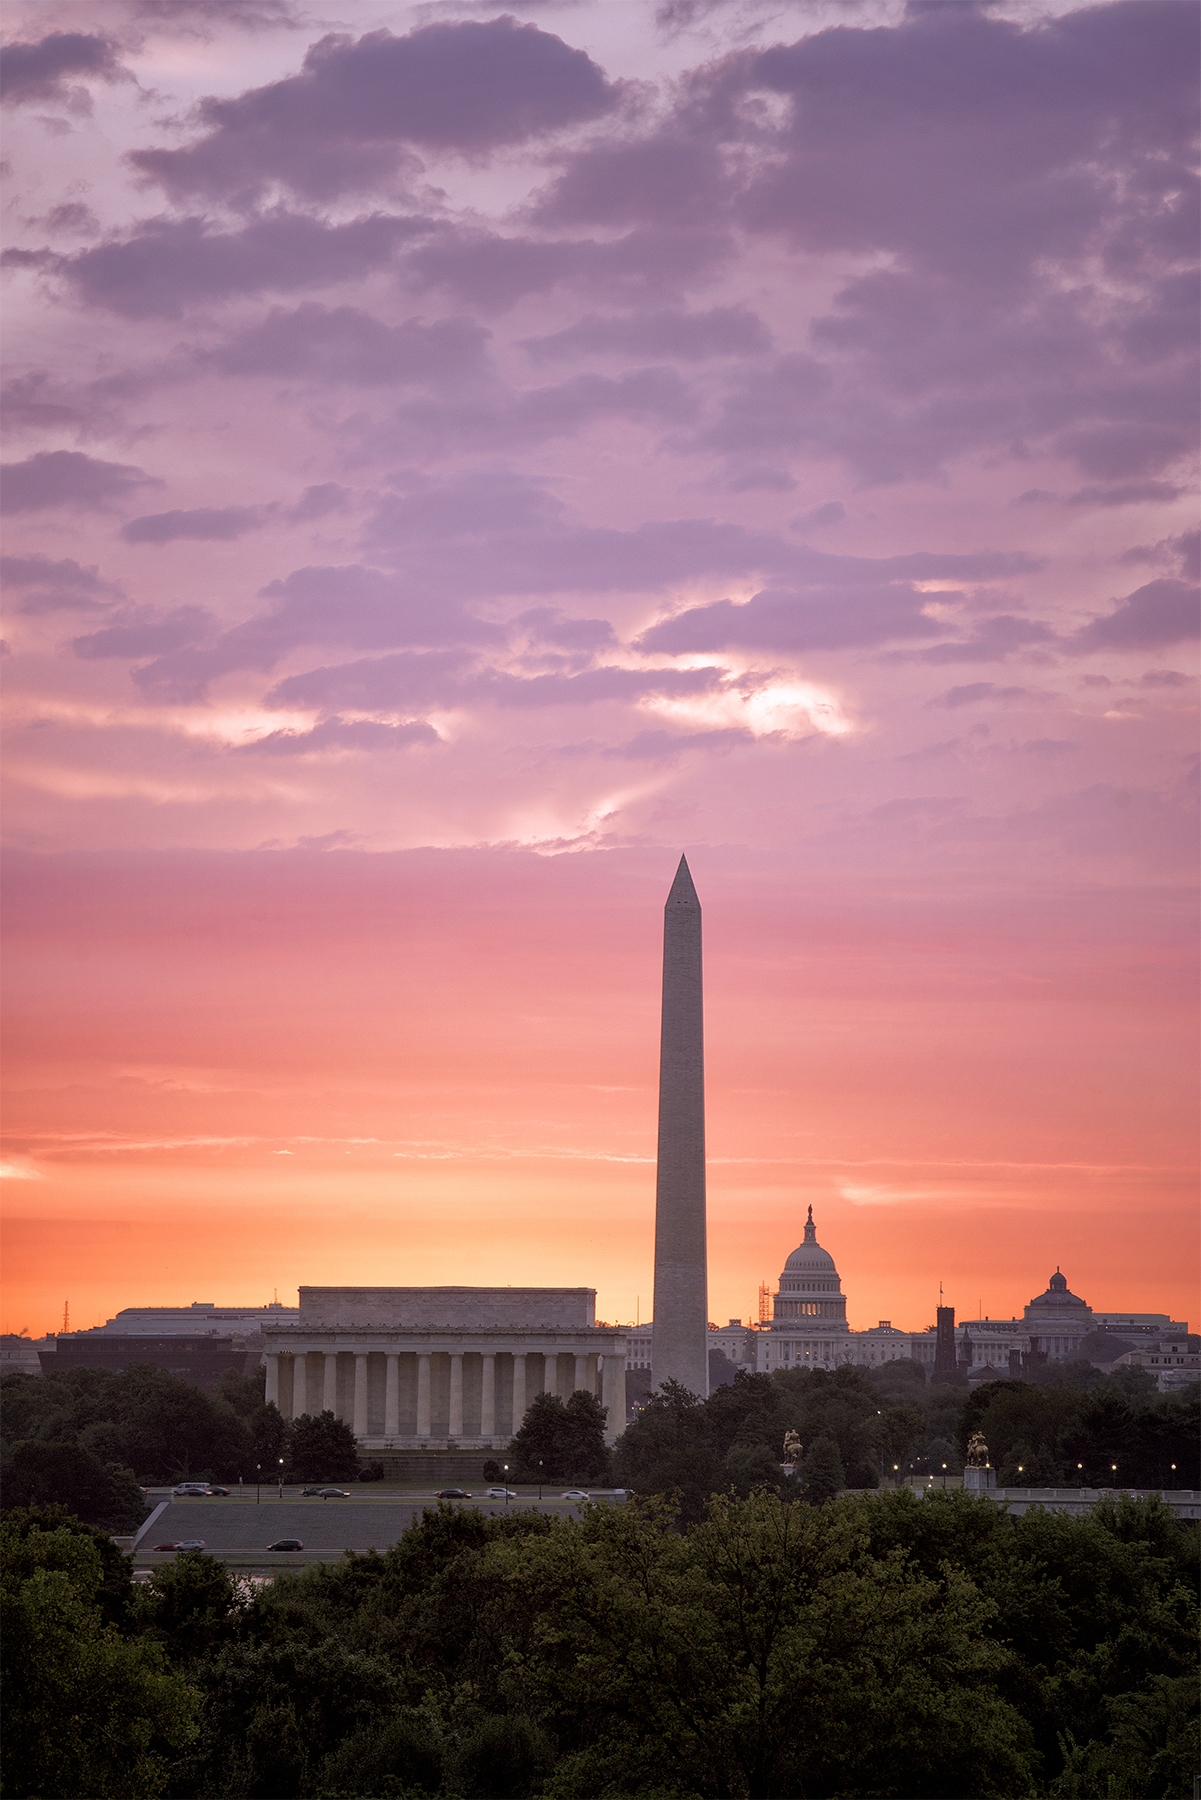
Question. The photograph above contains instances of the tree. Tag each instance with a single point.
(86, 1711)
(116, 1589)
(668, 1449)
(587, 1451)
(321, 1448)
(749, 1467)
(38, 1474)
(561, 1443)
(821, 1473)
(187, 1606)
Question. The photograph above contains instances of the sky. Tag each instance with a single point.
(457, 461)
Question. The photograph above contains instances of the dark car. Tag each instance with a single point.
(452, 1494)
(286, 1544)
(164, 1546)
(311, 1493)
(224, 1491)
(334, 1493)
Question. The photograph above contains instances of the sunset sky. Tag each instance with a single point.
(458, 461)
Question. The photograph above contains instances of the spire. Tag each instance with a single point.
(683, 893)
(810, 1229)
(680, 1350)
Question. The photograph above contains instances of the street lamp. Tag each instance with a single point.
(258, 1478)
(506, 1468)
(281, 1477)
(539, 1478)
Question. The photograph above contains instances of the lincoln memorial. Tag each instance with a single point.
(442, 1367)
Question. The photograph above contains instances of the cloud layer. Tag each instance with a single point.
(598, 431)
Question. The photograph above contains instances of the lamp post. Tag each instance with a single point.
(258, 1481)
(281, 1477)
(506, 1467)
(539, 1478)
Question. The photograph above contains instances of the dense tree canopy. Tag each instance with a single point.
(558, 1442)
(88, 1710)
(82, 1436)
(878, 1645)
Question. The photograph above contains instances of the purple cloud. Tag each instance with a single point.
(365, 735)
(1161, 612)
(993, 639)
(671, 332)
(319, 343)
(355, 607)
(40, 71)
(169, 266)
(318, 501)
(67, 478)
(407, 681)
(342, 124)
(972, 693)
(491, 272)
(206, 522)
(61, 586)
(1124, 493)
(830, 619)
(146, 634)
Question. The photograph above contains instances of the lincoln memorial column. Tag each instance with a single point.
(518, 1392)
(456, 1395)
(488, 1397)
(423, 1395)
(581, 1373)
(392, 1396)
(300, 1373)
(615, 1396)
(360, 1394)
(272, 1394)
(329, 1399)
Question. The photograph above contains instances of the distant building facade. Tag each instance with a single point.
(201, 1360)
(442, 1368)
(201, 1317)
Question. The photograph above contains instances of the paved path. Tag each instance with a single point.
(237, 1529)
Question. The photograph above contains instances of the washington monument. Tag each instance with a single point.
(679, 1347)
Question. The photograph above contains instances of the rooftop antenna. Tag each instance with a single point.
(275, 1295)
(66, 1315)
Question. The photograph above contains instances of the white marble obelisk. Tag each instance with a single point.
(679, 1348)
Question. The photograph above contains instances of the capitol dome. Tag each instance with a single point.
(810, 1295)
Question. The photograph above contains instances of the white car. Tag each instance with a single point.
(575, 1494)
(502, 1493)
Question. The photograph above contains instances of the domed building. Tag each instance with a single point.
(809, 1311)
(1058, 1321)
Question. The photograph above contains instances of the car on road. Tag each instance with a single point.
(452, 1494)
(334, 1493)
(164, 1546)
(196, 1490)
(190, 1544)
(502, 1493)
(575, 1494)
(286, 1544)
(309, 1493)
(218, 1490)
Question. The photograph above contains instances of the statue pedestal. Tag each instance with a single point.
(979, 1481)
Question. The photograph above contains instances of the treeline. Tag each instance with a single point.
(89, 1437)
(863, 1429)
(875, 1646)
